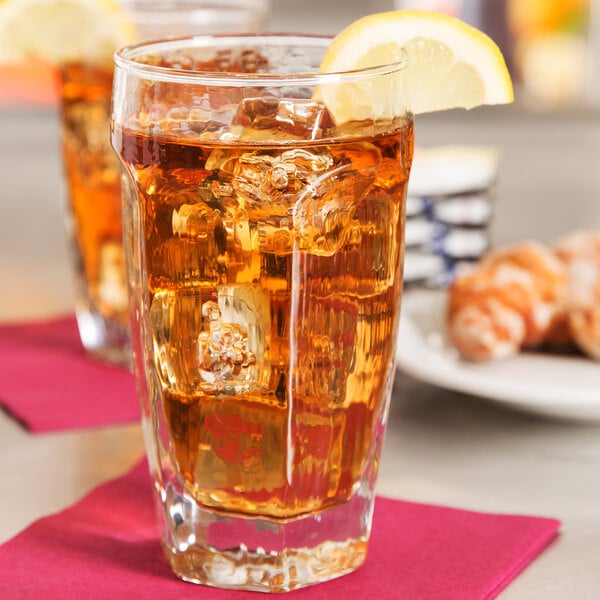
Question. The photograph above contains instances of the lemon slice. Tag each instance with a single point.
(449, 64)
(62, 31)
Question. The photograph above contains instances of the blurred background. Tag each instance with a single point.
(548, 141)
(551, 46)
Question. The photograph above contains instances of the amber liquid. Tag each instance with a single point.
(274, 278)
(94, 188)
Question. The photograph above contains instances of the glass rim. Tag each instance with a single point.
(124, 58)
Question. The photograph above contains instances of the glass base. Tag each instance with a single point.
(264, 555)
(105, 340)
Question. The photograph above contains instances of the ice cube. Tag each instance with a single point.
(231, 351)
(265, 118)
(194, 220)
(324, 216)
(223, 353)
(321, 223)
(248, 306)
(271, 182)
(275, 235)
(203, 345)
(173, 315)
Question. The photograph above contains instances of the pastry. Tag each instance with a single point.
(580, 251)
(513, 298)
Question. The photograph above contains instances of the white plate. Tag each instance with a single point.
(545, 384)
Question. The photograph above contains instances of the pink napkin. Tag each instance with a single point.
(49, 383)
(106, 546)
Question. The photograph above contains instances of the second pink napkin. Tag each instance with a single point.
(48, 383)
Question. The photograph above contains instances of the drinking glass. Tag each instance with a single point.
(92, 170)
(264, 245)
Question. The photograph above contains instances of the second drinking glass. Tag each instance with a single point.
(93, 185)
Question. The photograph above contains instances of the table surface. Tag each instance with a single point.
(441, 446)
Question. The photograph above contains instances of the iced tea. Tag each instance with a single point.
(265, 248)
(273, 274)
(93, 178)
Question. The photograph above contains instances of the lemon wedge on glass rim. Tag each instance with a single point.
(62, 31)
(448, 64)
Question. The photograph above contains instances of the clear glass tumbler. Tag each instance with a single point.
(264, 244)
(92, 170)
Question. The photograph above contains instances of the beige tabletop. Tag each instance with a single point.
(441, 447)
